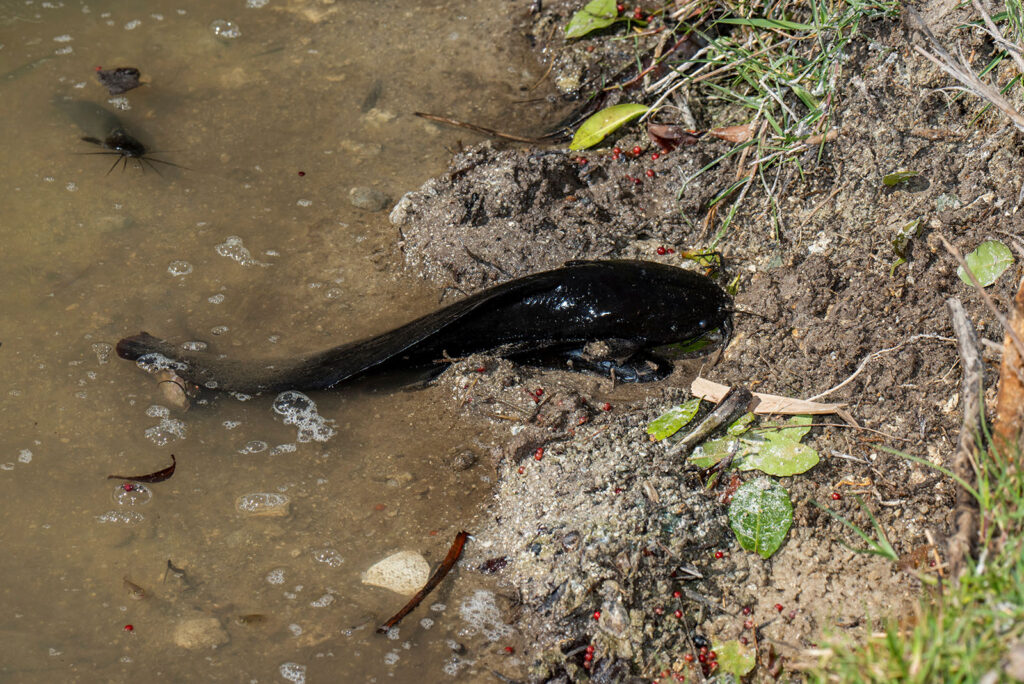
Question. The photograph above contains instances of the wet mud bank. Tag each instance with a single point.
(616, 560)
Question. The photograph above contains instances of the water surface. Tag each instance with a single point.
(255, 247)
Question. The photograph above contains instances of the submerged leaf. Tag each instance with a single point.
(604, 122)
(669, 423)
(781, 453)
(597, 14)
(987, 262)
(760, 515)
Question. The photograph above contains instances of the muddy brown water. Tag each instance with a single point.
(313, 87)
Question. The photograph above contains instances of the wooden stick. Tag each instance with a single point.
(961, 544)
(443, 569)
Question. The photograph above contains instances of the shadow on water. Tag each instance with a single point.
(256, 243)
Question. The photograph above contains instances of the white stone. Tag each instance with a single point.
(404, 572)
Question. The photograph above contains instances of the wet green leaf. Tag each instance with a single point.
(714, 450)
(741, 424)
(898, 177)
(669, 423)
(734, 657)
(781, 453)
(604, 122)
(597, 14)
(760, 516)
(987, 262)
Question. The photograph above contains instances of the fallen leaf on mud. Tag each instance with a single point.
(604, 122)
(597, 14)
(897, 177)
(734, 657)
(733, 134)
(760, 515)
(669, 136)
(767, 403)
(669, 423)
(987, 262)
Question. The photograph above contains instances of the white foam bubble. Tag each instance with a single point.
(323, 601)
(158, 411)
(276, 576)
(25, 456)
(154, 362)
(121, 517)
(167, 431)
(233, 248)
(481, 615)
(329, 557)
(179, 267)
(253, 447)
(299, 410)
(293, 672)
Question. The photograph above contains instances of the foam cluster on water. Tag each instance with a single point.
(293, 672)
(299, 410)
(329, 557)
(261, 502)
(155, 362)
(233, 248)
(481, 615)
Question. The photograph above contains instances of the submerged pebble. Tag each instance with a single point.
(367, 198)
(199, 633)
(404, 572)
(264, 504)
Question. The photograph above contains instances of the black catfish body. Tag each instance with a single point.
(636, 304)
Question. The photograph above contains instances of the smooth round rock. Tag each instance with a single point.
(199, 633)
(366, 198)
(404, 573)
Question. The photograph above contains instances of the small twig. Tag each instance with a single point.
(443, 569)
(875, 355)
(964, 463)
(820, 204)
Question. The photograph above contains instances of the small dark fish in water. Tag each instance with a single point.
(251, 619)
(135, 592)
(635, 306)
(119, 80)
(105, 129)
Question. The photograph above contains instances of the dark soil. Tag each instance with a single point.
(605, 521)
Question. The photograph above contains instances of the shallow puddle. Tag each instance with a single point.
(252, 243)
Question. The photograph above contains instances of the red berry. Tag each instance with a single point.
(749, 624)
(688, 657)
(128, 486)
(660, 251)
(702, 658)
(658, 610)
(587, 657)
(538, 454)
(636, 181)
(676, 594)
(650, 173)
(583, 161)
(671, 251)
(522, 470)
(654, 157)
(606, 406)
(616, 150)
(539, 392)
(129, 628)
(778, 607)
(719, 554)
(590, 648)
(620, 8)
(678, 613)
(836, 496)
(509, 649)
(481, 369)
(597, 615)
(747, 610)
(302, 173)
(703, 650)
(637, 151)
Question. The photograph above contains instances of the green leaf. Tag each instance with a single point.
(599, 125)
(760, 516)
(669, 423)
(987, 262)
(734, 657)
(714, 450)
(780, 453)
(898, 177)
(741, 424)
(760, 22)
(900, 242)
(598, 14)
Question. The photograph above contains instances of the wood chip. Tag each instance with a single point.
(764, 403)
